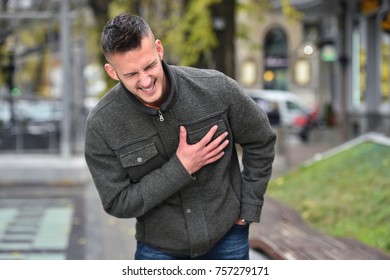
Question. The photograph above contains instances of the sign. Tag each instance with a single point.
(385, 21)
(328, 53)
(368, 7)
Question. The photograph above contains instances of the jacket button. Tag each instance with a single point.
(139, 159)
(188, 211)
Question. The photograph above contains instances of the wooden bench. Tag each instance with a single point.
(283, 235)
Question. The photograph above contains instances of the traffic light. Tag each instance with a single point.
(15, 91)
(9, 71)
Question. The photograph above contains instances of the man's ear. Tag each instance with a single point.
(160, 49)
(111, 71)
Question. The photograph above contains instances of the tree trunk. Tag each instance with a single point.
(223, 15)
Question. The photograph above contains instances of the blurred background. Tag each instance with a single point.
(320, 69)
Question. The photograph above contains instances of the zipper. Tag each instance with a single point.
(160, 115)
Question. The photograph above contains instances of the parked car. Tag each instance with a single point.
(36, 124)
(285, 109)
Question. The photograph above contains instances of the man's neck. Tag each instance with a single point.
(157, 104)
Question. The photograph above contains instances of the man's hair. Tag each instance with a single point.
(123, 33)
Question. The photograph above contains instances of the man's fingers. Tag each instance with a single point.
(214, 158)
(207, 138)
(193, 157)
(206, 141)
(216, 147)
(218, 152)
(217, 141)
(183, 135)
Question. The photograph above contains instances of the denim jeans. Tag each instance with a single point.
(233, 246)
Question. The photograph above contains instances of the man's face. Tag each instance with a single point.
(140, 70)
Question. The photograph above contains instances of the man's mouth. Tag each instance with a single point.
(148, 89)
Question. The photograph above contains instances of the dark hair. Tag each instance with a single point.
(123, 33)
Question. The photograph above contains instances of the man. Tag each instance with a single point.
(161, 148)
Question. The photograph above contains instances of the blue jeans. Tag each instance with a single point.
(233, 246)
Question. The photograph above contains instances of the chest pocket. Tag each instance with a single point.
(139, 160)
(196, 131)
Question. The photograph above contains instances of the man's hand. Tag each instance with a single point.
(194, 157)
(240, 222)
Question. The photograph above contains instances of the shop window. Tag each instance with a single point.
(275, 60)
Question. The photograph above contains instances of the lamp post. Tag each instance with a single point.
(65, 148)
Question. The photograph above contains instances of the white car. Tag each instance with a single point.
(284, 108)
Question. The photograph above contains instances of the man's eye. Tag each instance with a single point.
(128, 76)
(151, 66)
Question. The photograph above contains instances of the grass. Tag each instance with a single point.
(345, 195)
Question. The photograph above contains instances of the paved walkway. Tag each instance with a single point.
(51, 222)
(37, 222)
(66, 221)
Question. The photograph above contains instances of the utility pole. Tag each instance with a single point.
(65, 142)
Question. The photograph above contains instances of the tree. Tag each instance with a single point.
(224, 24)
(184, 26)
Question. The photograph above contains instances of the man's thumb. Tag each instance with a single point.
(183, 134)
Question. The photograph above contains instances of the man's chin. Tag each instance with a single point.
(149, 102)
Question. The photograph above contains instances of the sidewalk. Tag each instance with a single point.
(51, 209)
(291, 152)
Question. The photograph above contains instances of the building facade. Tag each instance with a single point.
(336, 56)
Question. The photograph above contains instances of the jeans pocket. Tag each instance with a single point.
(241, 226)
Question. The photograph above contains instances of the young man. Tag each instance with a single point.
(161, 148)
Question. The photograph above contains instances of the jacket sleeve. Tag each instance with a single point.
(251, 130)
(121, 197)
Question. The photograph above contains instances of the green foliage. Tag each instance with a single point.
(346, 195)
(184, 27)
(190, 35)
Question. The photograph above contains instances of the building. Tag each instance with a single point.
(336, 55)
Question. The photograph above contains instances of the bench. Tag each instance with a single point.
(283, 235)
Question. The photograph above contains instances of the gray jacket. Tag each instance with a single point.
(130, 150)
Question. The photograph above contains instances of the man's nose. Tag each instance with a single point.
(144, 79)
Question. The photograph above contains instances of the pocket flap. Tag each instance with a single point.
(196, 135)
(139, 156)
